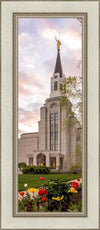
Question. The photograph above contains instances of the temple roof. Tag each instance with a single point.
(58, 67)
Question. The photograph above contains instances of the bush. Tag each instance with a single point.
(36, 170)
(21, 165)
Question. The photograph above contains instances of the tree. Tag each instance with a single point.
(21, 165)
(71, 91)
(78, 156)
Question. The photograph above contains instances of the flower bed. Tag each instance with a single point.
(57, 196)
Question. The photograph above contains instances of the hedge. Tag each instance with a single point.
(36, 170)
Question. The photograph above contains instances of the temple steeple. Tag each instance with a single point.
(58, 76)
(58, 67)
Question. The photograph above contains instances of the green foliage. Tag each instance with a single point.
(21, 165)
(21, 206)
(35, 208)
(78, 156)
(56, 188)
(71, 91)
(75, 207)
(36, 170)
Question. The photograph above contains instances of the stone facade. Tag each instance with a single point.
(52, 145)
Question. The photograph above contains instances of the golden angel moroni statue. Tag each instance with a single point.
(58, 43)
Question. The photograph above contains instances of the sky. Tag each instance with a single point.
(37, 52)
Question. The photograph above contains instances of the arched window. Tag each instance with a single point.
(41, 159)
(55, 85)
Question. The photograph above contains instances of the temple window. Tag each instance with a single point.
(55, 85)
(56, 131)
(51, 131)
(30, 160)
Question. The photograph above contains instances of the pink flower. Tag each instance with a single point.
(78, 179)
(41, 178)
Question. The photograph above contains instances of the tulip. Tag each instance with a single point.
(33, 190)
(21, 193)
(75, 184)
(43, 199)
(41, 178)
(42, 192)
(72, 190)
(58, 198)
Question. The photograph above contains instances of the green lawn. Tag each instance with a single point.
(34, 181)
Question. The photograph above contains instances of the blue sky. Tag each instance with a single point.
(37, 53)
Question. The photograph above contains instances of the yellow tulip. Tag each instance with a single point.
(33, 190)
(75, 191)
(72, 190)
(58, 198)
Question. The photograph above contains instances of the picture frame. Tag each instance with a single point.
(9, 219)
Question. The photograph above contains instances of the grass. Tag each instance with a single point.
(34, 181)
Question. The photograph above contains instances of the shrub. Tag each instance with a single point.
(21, 165)
(36, 170)
(25, 170)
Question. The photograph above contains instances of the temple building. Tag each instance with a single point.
(52, 145)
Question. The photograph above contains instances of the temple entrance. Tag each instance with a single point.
(53, 162)
(41, 159)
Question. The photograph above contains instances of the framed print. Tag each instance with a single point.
(56, 146)
(50, 114)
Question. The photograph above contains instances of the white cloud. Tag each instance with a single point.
(73, 42)
(68, 37)
(27, 128)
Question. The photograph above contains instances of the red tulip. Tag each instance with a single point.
(75, 184)
(42, 192)
(43, 199)
(78, 179)
(21, 193)
(41, 178)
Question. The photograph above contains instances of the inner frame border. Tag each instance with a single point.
(16, 16)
